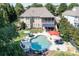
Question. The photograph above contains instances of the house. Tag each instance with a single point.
(72, 16)
(38, 17)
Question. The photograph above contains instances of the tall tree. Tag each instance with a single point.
(73, 5)
(62, 7)
(8, 12)
(64, 28)
(51, 8)
(7, 30)
(3, 12)
(13, 15)
(36, 5)
(19, 8)
(2, 22)
(69, 32)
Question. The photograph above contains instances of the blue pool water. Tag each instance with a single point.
(40, 43)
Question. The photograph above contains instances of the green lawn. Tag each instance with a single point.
(35, 30)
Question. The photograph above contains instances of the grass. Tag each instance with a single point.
(21, 35)
(35, 30)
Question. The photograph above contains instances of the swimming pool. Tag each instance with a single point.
(40, 43)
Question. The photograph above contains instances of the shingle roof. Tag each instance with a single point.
(72, 12)
(37, 12)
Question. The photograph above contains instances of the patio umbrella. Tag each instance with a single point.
(54, 32)
(55, 37)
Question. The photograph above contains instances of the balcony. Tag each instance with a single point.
(48, 25)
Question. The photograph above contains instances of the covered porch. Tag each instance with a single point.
(48, 27)
(48, 24)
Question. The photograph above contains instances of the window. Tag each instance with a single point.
(38, 25)
(78, 25)
(34, 25)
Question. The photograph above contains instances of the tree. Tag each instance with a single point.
(64, 28)
(13, 15)
(7, 34)
(2, 22)
(7, 29)
(19, 9)
(73, 5)
(36, 5)
(3, 12)
(69, 32)
(8, 12)
(23, 25)
(62, 7)
(51, 8)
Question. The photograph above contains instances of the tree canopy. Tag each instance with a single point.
(69, 31)
(62, 7)
(8, 12)
(7, 28)
(36, 5)
(2, 22)
(19, 8)
(72, 5)
(51, 8)
(64, 28)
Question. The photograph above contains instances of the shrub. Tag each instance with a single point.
(69, 32)
(36, 30)
(7, 34)
(23, 25)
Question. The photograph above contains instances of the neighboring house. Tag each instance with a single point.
(38, 17)
(72, 16)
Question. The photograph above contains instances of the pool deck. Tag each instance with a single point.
(55, 47)
(63, 47)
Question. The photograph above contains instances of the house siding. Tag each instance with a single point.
(32, 22)
(36, 22)
(73, 20)
(33, 17)
(26, 21)
(70, 19)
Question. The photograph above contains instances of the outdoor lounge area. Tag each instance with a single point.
(41, 43)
